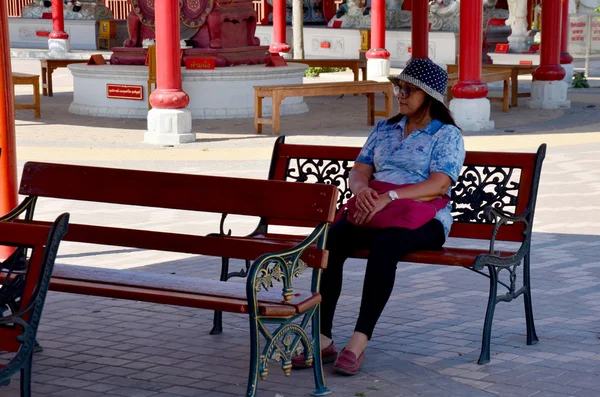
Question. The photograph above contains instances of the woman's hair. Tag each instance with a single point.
(437, 110)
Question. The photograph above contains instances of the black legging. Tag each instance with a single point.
(386, 247)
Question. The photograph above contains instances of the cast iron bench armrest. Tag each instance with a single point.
(26, 206)
(500, 218)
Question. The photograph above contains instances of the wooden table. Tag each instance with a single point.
(34, 80)
(515, 72)
(279, 93)
(354, 64)
(48, 67)
(487, 77)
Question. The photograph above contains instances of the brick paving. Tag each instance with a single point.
(428, 339)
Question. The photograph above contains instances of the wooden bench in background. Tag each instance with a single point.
(29, 79)
(355, 65)
(48, 67)
(273, 313)
(279, 92)
(24, 284)
(515, 72)
(487, 77)
(493, 201)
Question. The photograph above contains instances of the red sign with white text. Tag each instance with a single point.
(527, 63)
(122, 91)
(502, 47)
(199, 63)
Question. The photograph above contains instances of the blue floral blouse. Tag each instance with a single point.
(436, 148)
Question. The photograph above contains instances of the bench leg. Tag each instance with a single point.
(26, 378)
(218, 317)
(44, 81)
(254, 356)
(36, 98)
(484, 357)
(505, 96)
(276, 105)
(514, 82)
(257, 113)
(320, 387)
(532, 337)
(371, 108)
(50, 71)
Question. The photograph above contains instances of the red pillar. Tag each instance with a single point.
(420, 29)
(469, 84)
(8, 154)
(168, 93)
(565, 57)
(550, 69)
(377, 50)
(279, 26)
(58, 21)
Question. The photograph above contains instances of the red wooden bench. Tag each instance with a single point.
(277, 314)
(493, 200)
(23, 287)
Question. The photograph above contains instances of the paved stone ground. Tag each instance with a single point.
(428, 340)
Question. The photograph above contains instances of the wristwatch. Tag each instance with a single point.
(393, 195)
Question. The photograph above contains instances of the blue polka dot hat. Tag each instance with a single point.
(423, 73)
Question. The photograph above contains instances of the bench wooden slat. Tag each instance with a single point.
(219, 246)
(452, 256)
(176, 290)
(177, 191)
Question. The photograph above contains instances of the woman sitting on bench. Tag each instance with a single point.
(416, 155)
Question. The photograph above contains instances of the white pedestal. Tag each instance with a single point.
(514, 59)
(59, 45)
(549, 95)
(378, 69)
(221, 93)
(517, 44)
(569, 73)
(472, 114)
(169, 127)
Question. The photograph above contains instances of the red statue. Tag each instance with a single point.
(224, 31)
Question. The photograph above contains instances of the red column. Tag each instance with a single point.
(168, 93)
(550, 69)
(8, 155)
(58, 21)
(469, 83)
(420, 29)
(565, 57)
(377, 50)
(279, 26)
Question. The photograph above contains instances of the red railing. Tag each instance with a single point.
(15, 6)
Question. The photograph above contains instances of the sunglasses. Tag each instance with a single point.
(405, 90)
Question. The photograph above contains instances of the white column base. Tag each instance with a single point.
(169, 127)
(378, 69)
(549, 95)
(59, 45)
(472, 114)
(568, 67)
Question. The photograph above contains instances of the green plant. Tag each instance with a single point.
(317, 70)
(359, 394)
(373, 388)
(579, 81)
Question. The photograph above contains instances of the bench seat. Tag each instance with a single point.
(176, 290)
(449, 256)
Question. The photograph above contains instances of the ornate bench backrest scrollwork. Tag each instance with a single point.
(505, 181)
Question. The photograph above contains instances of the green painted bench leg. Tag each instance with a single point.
(484, 357)
(320, 387)
(532, 337)
(26, 378)
(254, 356)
